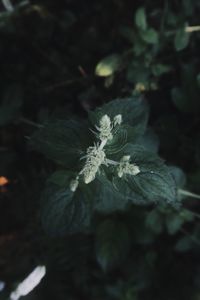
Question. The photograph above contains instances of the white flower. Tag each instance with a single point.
(94, 158)
(126, 168)
(117, 120)
(74, 184)
(29, 283)
(105, 129)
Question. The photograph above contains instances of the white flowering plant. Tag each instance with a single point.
(104, 165)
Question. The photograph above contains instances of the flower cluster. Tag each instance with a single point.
(125, 167)
(96, 156)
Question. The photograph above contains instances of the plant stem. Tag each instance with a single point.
(188, 193)
(192, 28)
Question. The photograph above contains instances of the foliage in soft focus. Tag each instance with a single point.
(100, 148)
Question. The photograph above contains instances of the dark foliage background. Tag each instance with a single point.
(64, 58)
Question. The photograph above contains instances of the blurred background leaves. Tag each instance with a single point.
(63, 58)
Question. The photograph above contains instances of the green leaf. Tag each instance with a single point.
(150, 36)
(160, 69)
(149, 141)
(184, 244)
(178, 175)
(138, 73)
(64, 212)
(154, 183)
(187, 215)
(140, 18)
(174, 223)
(106, 198)
(154, 221)
(181, 39)
(186, 98)
(62, 141)
(134, 112)
(120, 138)
(108, 66)
(112, 243)
(61, 178)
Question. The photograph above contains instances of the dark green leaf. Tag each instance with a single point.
(134, 112)
(174, 223)
(64, 212)
(149, 141)
(61, 178)
(62, 141)
(160, 69)
(154, 183)
(11, 104)
(150, 36)
(112, 243)
(178, 175)
(184, 244)
(107, 199)
(181, 39)
(154, 221)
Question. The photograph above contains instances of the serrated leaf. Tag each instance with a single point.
(107, 199)
(108, 66)
(112, 243)
(181, 39)
(154, 183)
(62, 141)
(150, 36)
(120, 138)
(64, 212)
(140, 18)
(129, 195)
(134, 112)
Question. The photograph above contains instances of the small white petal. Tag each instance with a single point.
(117, 120)
(73, 185)
(2, 285)
(29, 283)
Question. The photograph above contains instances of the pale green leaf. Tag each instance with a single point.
(140, 18)
(150, 36)
(108, 66)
